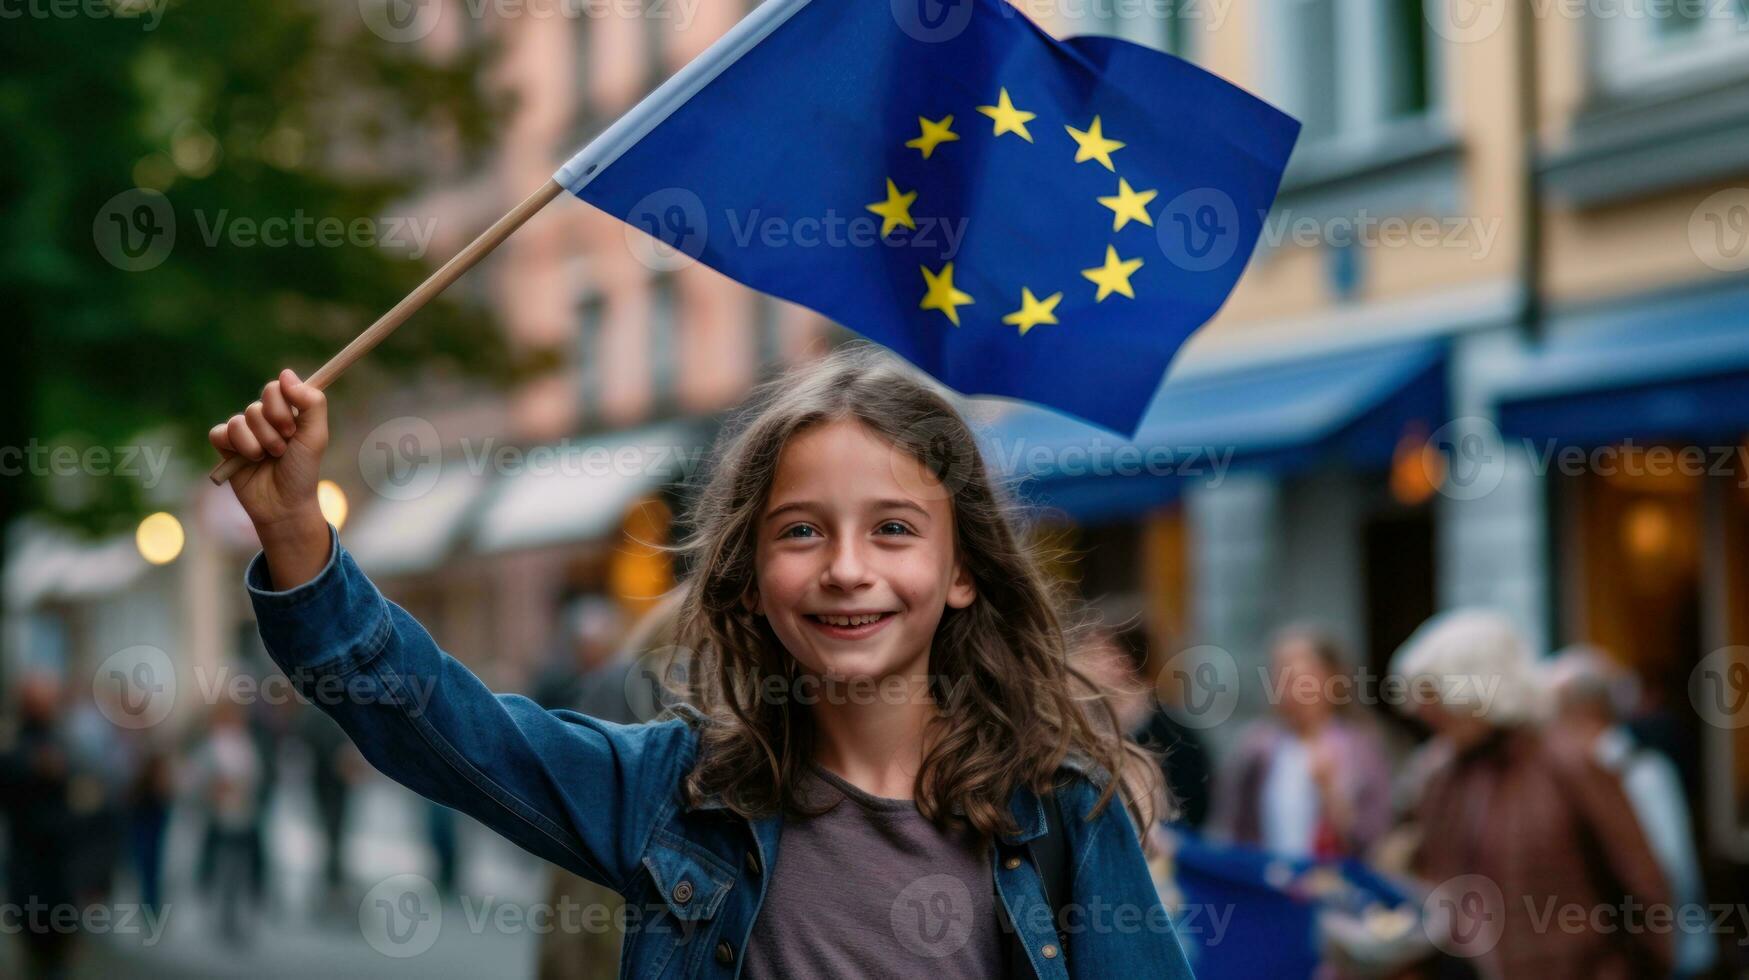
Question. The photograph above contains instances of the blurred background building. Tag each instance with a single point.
(1503, 296)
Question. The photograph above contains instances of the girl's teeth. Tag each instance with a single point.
(850, 620)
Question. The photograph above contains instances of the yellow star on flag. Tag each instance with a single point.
(1094, 145)
(942, 295)
(1009, 119)
(934, 134)
(895, 210)
(1033, 312)
(1114, 275)
(1128, 205)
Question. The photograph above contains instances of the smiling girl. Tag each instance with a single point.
(888, 765)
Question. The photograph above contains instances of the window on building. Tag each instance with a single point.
(767, 344)
(1166, 25)
(589, 318)
(1351, 69)
(1672, 40)
(664, 335)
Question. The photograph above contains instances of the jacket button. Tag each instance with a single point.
(1011, 863)
(752, 862)
(683, 892)
(1050, 951)
(725, 953)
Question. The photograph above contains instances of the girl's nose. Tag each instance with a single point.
(847, 570)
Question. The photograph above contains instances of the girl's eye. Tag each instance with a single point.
(895, 527)
(798, 531)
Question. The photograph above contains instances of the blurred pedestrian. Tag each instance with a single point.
(1120, 658)
(1313, 780)
(590, 631)
(148, 799)
(39, 790)
(225, 775)
(1592, 695)
(334, 769)
(587, 947)
(1520, 833)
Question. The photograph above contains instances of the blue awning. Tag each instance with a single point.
(1653, 370)
(1351, 407)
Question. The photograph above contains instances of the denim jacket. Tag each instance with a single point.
(603, 800)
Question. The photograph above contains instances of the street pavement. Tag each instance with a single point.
(389, 922)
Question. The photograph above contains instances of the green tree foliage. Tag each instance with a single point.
(239, 113)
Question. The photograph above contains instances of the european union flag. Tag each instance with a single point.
(1016, 215)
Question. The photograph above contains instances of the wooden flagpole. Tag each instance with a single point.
(440, 280)
(575, 175)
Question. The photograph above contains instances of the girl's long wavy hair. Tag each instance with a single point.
(1025, 709)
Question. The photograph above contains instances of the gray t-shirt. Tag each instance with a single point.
(872, 889)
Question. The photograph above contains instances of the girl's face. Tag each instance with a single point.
(855, 560)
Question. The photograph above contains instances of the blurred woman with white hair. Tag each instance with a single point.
(1538, 865)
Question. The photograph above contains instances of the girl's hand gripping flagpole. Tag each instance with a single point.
(595, 157)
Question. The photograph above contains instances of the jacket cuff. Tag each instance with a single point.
(332, 623)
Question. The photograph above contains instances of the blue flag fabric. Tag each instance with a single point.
(1016, 215)
(1243, 912)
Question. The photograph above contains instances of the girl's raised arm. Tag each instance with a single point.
(582, 793)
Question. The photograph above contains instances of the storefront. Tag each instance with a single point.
(1289, 489)
(491, 547)
(1637, 414)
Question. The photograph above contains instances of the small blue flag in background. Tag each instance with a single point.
(1016, 215)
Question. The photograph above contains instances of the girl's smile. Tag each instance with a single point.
(851, 626)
